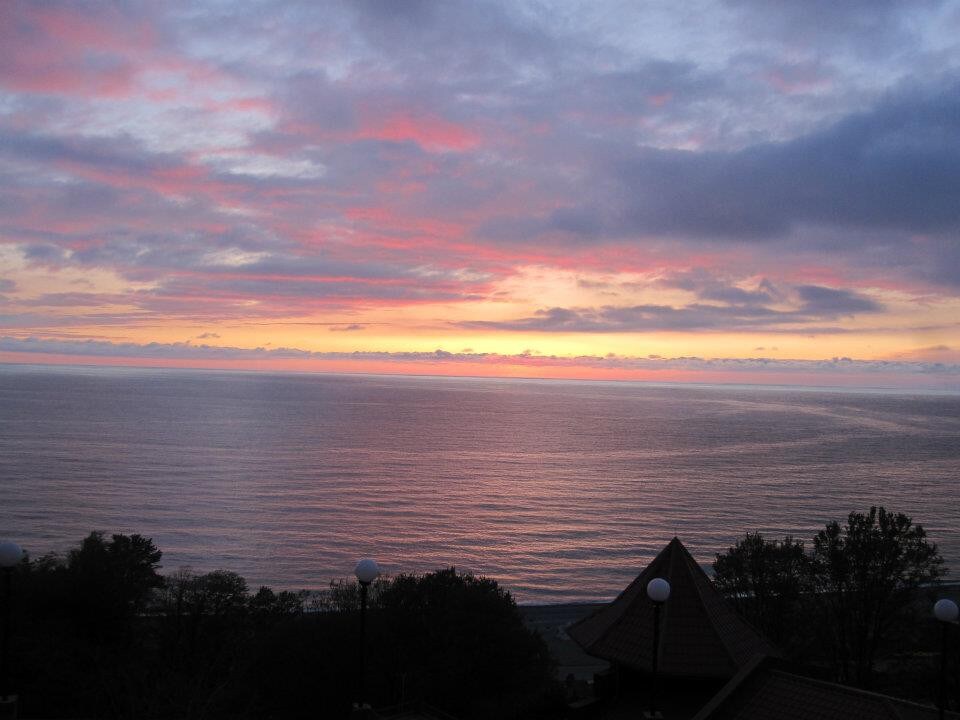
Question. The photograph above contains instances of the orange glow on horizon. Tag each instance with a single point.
(530, 369)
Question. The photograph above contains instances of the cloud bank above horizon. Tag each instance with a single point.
(368, 181)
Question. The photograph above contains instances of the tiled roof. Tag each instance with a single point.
(764, 690)
(701, 635)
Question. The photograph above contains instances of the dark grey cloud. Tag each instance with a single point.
(119, 153)
(264, 289)
(868, 27)
(707, 286)
(827, 302)
(893, 169)
(76, 299)
(745, 311)
(635, 318)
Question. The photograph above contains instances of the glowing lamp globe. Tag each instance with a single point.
(10, 554)
(367, 571)
(946, 610)
(658, 590)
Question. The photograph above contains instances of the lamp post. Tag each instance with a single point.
(946, 611)
(658, 590)
(366, 571)
(10, 556)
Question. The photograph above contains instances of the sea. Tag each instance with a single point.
(561, 491)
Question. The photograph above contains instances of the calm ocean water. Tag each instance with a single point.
(561, 491)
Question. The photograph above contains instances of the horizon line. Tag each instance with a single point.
(680, 383)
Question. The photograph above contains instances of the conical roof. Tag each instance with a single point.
(701, 635)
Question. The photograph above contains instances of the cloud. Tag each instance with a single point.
(54, 49)
(850, 25)
(896, 167)
(708, 286)
(824, 302)
(353, 327)
(232, 165)
(743, 310)
(188, 351)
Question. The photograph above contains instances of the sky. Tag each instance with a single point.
(747, 191)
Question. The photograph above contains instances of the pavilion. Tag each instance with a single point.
(701, 635)
(712, 664)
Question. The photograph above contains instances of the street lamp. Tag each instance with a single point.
(10, 556)
(366, 571)
(658, 590)
(946, 611)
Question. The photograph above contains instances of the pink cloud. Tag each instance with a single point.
(660, 99)
(798, 79)
(61, 50)
(431, 132)
(243, 104)
(88, 51)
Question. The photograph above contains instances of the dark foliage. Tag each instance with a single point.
(447, 639)
(79, 619)
(459, 642)
(850, 603)
(765, 579)
(865, 575)
(101, 634)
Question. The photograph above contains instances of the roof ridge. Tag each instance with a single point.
(898, 708)
(665, 615)
(726, 605)
(603, 635)
(894, 710)
(731, 686)
(852, 690)
(697, 614)
(703, 603)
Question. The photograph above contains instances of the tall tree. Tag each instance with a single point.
(765, 579)
(866, 573)
(460, 642)
(112, 580)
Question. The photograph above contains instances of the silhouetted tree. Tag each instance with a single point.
(111, 581)
(451, 640)
(83, 617)
(765, 580)
(267, 603)
(459, 642)
(103, 638)
(854, 591)
(866, 573)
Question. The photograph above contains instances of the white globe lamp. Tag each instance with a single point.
(658, 590)
(946, 610)
(367, 571)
